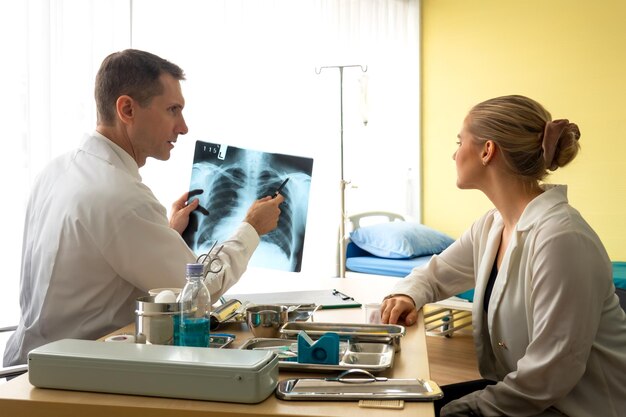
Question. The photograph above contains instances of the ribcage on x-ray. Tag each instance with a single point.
(230, 189)
(283, 235)
(223, 198)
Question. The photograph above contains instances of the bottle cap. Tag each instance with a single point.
(195, 269)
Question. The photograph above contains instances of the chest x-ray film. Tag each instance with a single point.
(232, 179)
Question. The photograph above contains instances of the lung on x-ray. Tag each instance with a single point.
(231, 179)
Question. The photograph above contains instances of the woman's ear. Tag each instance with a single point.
(488, 152)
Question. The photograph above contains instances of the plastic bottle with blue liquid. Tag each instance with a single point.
(195, 309)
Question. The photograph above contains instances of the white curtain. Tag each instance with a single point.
(252, 82)
(51, 51)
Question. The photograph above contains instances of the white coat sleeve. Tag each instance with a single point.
(445, 275)
(234, 257)
(145, 251)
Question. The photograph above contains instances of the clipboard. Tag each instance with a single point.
(326, 299)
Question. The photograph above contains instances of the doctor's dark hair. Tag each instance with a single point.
(130, 72)
(521, 129)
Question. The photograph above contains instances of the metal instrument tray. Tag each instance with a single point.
(298, 312)
(220, 341)
(374, 357)
(363, 386)
(376, 333)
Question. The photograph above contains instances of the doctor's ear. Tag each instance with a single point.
(125, 108)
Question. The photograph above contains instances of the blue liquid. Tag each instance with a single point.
(194, 332)
(177, 330)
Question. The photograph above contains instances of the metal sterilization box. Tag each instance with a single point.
(230, 375)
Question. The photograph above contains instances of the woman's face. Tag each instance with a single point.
(468, 158)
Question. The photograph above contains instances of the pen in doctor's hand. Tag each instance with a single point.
(280, 188)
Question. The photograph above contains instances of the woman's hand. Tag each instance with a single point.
(398, 308)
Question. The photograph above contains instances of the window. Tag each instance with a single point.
(251, 82)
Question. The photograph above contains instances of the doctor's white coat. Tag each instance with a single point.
(96, 239)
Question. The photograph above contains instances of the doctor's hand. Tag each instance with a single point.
(263, 214)
(179, 218)
(397, 308)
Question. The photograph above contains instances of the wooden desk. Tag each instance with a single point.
(19, 398)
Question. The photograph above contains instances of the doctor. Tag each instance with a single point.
(95, 236)
(549, 332)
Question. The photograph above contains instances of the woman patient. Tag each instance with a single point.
(550, 334)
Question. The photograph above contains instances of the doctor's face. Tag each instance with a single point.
(158, 125)
(469, 166)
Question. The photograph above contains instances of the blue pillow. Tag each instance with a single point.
(398, 240)
(619, 274)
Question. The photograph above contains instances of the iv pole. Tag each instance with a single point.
(342, 182)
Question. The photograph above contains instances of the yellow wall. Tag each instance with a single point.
(568, 55)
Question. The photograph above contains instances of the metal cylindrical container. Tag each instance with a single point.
(266, 320)
(156, 323)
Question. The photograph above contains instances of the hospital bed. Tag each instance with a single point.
(443, 317)
(393, 246)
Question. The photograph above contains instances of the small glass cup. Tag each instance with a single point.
(372, 313)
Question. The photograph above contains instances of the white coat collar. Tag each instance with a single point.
(553, 195)
(102, 147)
(486, 264)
